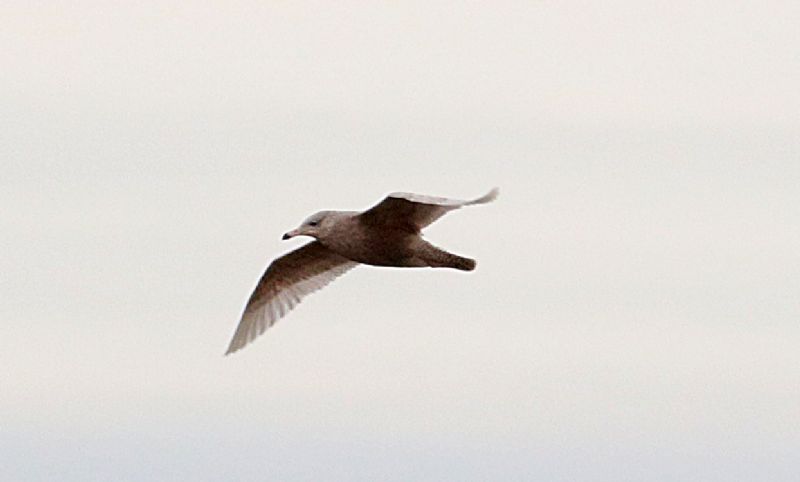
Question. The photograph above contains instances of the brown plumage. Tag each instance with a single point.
(388, 234)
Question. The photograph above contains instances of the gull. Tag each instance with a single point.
(388, 234)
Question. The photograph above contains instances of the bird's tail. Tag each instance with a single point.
(439, 258)
(462, 263)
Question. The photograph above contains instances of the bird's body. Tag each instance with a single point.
(389, 234)
(358, 241)
(354, 240)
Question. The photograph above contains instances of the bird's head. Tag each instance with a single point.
(315, 225)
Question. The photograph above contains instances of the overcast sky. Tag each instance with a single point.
(635, 312)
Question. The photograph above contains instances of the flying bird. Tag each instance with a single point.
(388, 234)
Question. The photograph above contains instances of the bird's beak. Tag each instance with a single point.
(290, 234)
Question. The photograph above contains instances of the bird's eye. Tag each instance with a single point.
(313, 223)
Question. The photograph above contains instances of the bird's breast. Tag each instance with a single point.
(375, 247)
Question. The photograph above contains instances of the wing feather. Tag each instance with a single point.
(413, 212)
(285, 282)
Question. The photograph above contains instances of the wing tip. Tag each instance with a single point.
(488, 197)
(233, 347)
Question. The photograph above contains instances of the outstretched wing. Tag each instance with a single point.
(413, 212)
(286, 281)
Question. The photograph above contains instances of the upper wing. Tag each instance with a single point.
(287, 280)
(412, 212)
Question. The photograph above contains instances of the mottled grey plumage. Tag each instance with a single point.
(388, 234)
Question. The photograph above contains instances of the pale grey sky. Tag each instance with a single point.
(635, 313)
